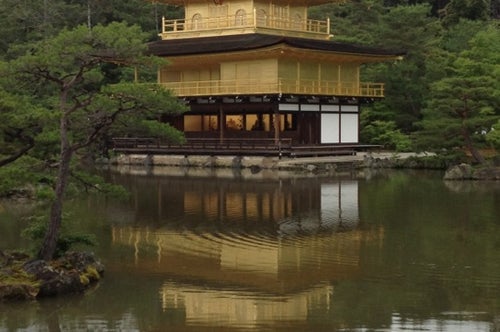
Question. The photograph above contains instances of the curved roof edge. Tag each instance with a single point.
(244, 42)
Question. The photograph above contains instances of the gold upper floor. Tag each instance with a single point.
(219, 17)
(267, 69)
(267, 72)
(242, 22)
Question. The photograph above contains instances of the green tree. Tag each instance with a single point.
(65, 75)
(406, 82)
(31, 20)
(352, 22)
(466, 9)
(146, 14)
(24, 21)
(465, 104)
(19, 126)
(493, 136)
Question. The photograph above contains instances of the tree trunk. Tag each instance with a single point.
(470, 146)
(466, 135)
(49, 244)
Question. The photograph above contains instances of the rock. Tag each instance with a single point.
(72, 273)
(268, 162)
(254, 169)
(467, 172)
(53, 281)
(236, 162)
(459, 172)
(15, 292)
(210, 162)
(371, 162)
(185, 162)
(330, 167)
(64, 283)
(486, 173)
(311, 167)
(82, 260)
(36, 267)
(368, 161)
(102, 161)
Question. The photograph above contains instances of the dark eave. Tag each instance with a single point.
(246, 42)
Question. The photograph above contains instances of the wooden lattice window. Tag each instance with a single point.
(261, 18)
(297, 22)
(196, 22)
(218, 10)
(240, 17)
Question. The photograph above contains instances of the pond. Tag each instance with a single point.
(199, 250)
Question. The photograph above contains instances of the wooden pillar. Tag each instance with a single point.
(340, 122)
(222, 124)
(277, 124)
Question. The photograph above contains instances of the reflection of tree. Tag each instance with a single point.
(443, 247)
(53, 322)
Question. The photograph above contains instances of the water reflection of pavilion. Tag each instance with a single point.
(241, 252)
(229, 308)
(310, 203)
(243, 280)
(261, 263)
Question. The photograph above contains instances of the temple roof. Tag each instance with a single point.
(247, 42)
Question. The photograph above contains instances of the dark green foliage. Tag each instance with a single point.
(477, 10)
(385, 133)
(23, 21)
(465, 104)
(432, 43)
(493, 136)
(352, 22)
(406, 83)
(25, 176)
(439, 161)
(72, 95)
(66, 241)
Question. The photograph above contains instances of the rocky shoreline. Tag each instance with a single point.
(152, 164)
(361, 160)
(23, 278)
(468, 172)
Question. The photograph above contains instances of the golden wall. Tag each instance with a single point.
(169, 74)
(266, 70)
(262, 8)
(252, 70)
(318, 71)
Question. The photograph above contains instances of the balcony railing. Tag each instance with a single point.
(249, 20)
(302, 87)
